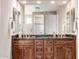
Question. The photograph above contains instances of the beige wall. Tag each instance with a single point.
(5, 40)
(0, 17)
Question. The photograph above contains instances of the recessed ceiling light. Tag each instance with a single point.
(38, 2)
(24, 2)
(52, 2)
(64, 2)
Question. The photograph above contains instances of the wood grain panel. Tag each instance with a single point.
(44, 49)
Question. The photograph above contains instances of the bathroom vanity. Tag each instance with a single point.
(45, 30)
(44, 48)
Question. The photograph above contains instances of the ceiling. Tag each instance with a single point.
(43, 1)
(44, 6)
(41, 8)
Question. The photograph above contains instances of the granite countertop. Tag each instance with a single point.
(45, 37)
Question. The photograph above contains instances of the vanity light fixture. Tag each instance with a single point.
(64, 2)
(24, 2)
(38, 2)
(52, 2)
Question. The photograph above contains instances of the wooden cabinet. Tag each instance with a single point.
(17, 52)
(64, 49)
(38, 47)
(22, 49)
(28, 52)
(48, 49)
(44, 49)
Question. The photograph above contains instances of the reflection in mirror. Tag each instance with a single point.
(46, 17)
(69, 27)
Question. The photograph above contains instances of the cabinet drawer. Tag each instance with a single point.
(64, 42)
(39, 49)
(39, 42)
(23, 42)
(48, 49)
(48, 42)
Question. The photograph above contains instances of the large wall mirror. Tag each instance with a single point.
(70, 21)
(48, 17)
(43, 19)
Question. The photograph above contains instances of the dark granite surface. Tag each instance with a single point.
(67, 36)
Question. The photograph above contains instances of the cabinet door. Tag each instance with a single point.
(17, 52)
(64, 49)
(70, 52)
(28, 52)
(48, 49)
(64, 52)
(22, 52)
